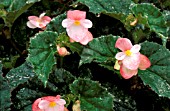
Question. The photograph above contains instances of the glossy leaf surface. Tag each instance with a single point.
(41, 54)
(93, 96)
(118, 9)
(158, 75)
(100, 50)
(154, 17)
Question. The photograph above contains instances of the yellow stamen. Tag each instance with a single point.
(128, 53)
(52, 104)
(77, 22)
(39, 20)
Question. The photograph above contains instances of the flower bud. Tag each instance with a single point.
(62, 51)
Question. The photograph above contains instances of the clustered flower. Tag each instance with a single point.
(49, 103)
(130, 59)
(38, 22)
(77, 27)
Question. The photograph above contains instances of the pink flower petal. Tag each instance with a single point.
(50, 109)
(123, 44)
(49, 98)
(38, 22)
(76, 15)
(61, 102)
(33, 18)
(120, 56)
(127, 73)
(132, 62)
(35, 22)
(35, 105)
(67, 23)
(46, 19)
(62, 51)
(58, 108)
(87, 38)
(77, 33)
(30, 25)
(53, 109)
(43, 104)
(42, 25)
(144, 62)
(86, 23)
(135, 48)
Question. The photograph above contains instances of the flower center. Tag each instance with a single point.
(77, 22)
(128, 53)
(52, 104)
(39, 20)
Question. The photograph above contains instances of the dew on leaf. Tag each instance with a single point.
(51, 45)
(98, 15)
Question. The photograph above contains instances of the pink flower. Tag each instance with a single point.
(62, 51)
(77, 26)
(130, 58)
(49, 103)
(38, 22)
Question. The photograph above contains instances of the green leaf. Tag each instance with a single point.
(76, 47)
(20, 75)
(166, 4)
(18, 4)
(56, 24)
(5, 3)
(166, 14)
(25, 97)
(158, 75)
(60, 78)
(138, 27)
(100, 50)
(5, 100)
(27, 93)
(118, 9)
(139, 34)
(11, 62)
(155, 18)
(14, 78)
(41, 54)
(16, 8)
(93, 96)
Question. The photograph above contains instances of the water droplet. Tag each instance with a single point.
(126, 100)
(75, 5)
(98, 15)
(51, 45)
(20, 71)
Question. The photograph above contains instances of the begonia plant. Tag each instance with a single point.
(38, 22)
(49, 103)
(130, 58)
(84, 55)
(77, 26)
